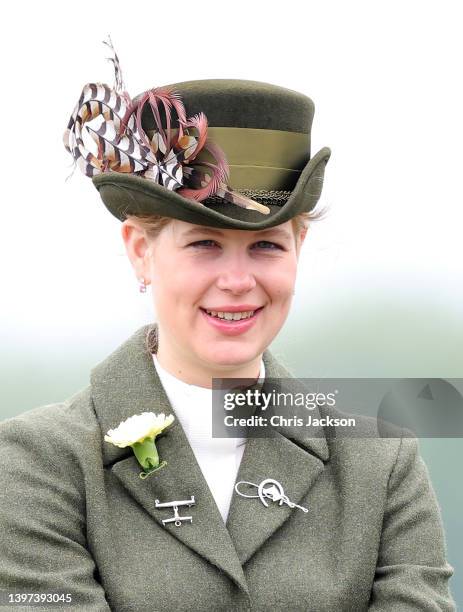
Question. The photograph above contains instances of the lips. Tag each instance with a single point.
(232, 316)
(232, 307)
(231, 327)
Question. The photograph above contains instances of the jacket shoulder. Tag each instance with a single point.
(67, 429)
(370, 444)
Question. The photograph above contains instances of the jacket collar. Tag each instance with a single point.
(127, 383)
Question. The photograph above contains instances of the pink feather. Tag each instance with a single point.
(220, 172)
(199, 122)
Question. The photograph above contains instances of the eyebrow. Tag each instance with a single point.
(273, 231)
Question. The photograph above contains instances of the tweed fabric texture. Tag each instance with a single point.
(76, 518)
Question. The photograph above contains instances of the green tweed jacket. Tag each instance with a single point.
(76, 518)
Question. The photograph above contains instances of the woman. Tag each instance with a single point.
(109, 508)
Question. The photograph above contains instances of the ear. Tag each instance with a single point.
(137, 247)
(301, 238)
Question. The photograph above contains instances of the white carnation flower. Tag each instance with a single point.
(138, 428)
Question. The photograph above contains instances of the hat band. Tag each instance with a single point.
(259, 158)
(262, 178)
(262, 159)
(259, 147)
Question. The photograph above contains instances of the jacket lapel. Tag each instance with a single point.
(290, 457)
(126, 383)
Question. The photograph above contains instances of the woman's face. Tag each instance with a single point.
(203, 277)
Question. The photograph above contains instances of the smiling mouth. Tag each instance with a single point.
(231, 317)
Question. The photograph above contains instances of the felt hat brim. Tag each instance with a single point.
(124, 194)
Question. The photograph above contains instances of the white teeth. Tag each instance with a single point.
(231, 316)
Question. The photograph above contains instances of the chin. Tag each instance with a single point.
(230, 355)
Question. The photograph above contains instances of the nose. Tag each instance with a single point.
(236, 277)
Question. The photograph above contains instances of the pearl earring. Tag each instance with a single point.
(142, 286)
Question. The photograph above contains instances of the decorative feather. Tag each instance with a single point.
(171, 170)
(198, 122)
(98, 103)
(118, 80)
(169, 99)
(170, 157)
(124, 154)
(229, 195)
(208, 182)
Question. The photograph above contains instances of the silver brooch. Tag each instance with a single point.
(177, 519)
(269, 489)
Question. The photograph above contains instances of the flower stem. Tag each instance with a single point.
(146, 453)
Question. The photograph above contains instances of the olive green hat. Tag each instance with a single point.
(260, 132)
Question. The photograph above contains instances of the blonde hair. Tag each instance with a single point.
(154, 224)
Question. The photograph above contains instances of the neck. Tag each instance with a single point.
(197, 373)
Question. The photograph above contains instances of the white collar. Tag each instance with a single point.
(191, 391)
(192, 405)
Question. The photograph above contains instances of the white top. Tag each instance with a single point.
(218, 458)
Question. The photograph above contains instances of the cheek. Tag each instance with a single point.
(179, 285)
(281, 280)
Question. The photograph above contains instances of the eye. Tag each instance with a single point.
(265, 244)
(261, 244)
(203, 244)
